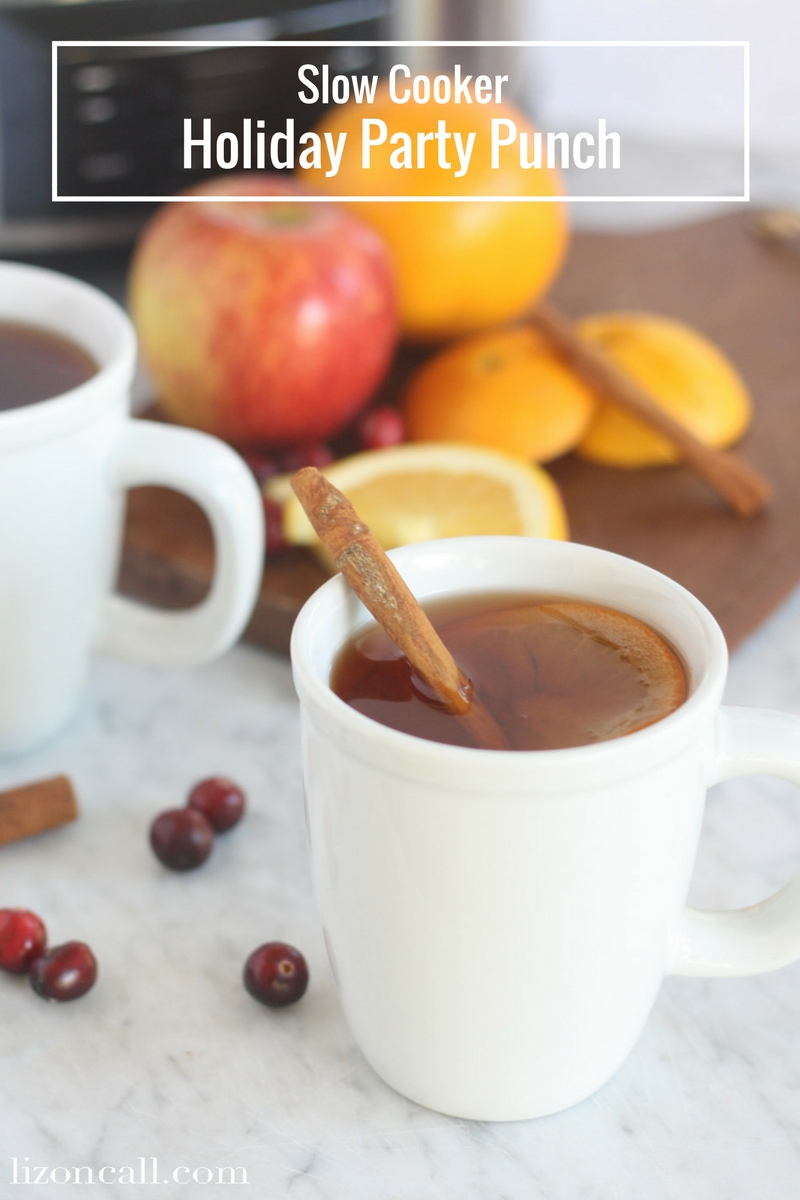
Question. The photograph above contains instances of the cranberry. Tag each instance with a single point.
(220, 801)
(22, 939)
(273, 520)
(262, 465)
(65, 972)
(306, 454)
(381, 427)
(182, 838)
(276, 974)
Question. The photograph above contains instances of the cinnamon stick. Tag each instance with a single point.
(778, 225)
(743, 488)
(36, 807)
(357, 553)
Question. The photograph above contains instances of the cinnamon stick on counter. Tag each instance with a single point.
(379, 586)
(36, 807)
(730, 476)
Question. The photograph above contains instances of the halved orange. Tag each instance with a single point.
(682, 370)
(416, 492)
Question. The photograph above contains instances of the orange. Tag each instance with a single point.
(504, 389)
(414, 493)
(460, 266)
(682, 370)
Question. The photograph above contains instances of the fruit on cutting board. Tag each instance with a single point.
(505, 389)
(460, 266)
(510, 390)
(265, 323)
(682, 370)
(380, 427)
(416, 492)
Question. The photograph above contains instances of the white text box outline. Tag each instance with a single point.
(561, 199)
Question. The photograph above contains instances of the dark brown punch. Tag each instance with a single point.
(552, 673)
(36, 364)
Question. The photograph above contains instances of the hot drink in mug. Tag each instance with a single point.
(66, 458)
(499, 922)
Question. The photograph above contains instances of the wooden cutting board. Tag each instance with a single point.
(745, 295)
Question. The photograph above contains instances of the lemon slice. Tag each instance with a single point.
(416, 492)
(643, 678)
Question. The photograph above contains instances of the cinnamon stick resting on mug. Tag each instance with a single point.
(374, 578)
(36, 807)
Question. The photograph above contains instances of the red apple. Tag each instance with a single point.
(264, 323)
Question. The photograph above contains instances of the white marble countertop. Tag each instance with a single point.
(169, 1059)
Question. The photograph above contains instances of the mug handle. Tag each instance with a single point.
(765, 936)
(216, 477)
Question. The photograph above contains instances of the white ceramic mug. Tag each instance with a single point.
(499, 922)
(64, 465)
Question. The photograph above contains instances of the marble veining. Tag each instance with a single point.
(168, 1058)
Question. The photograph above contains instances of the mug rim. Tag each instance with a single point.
(66, 410)
(370, 740)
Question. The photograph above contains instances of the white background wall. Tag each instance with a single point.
(771, 26)
(678, 142)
